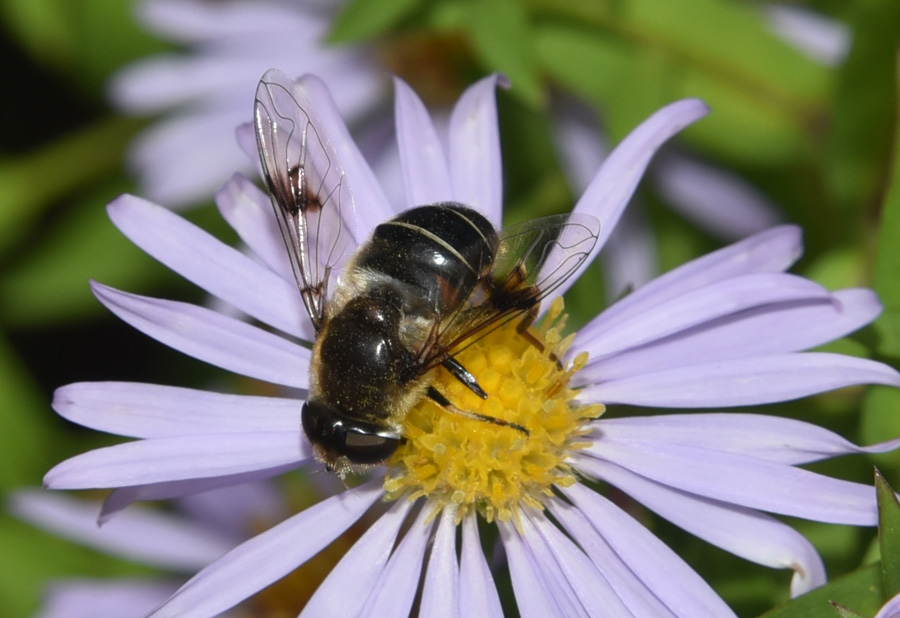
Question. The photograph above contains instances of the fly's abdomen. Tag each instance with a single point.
(440, 251)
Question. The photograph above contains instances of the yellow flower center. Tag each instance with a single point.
(497, 469)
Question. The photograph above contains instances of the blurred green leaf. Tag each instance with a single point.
(888, 327)
(727, 39)
(360, 20)
(82, 39)
(503, 38)
(31, 183)
(104, 45)
(888, 535)
(43, 27)
(880, 420)
(587, 61)
(839, 267)
(860, 590)
(32, 558)
(766, 95)
(730, 40)
(628, 83)
(865, 105)
(887, 260)
(51, 282)
(27, 435)
(741, 128)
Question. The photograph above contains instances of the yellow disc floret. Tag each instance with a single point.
(453, 458)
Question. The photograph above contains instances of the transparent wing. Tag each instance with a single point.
(308, 187)
(532, 260)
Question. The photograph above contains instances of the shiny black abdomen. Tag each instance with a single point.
(438, 251)
(363, 362)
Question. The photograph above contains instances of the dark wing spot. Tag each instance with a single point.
(304, 199)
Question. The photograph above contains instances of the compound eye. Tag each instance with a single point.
(361, 447)
(318, 423)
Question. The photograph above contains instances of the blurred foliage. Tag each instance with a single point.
(819, 140)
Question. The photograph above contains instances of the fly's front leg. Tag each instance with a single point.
(436, 396)
(463, 375)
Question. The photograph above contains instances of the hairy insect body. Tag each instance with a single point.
(427, 283)
(416, 269)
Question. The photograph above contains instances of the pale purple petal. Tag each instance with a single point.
(363, 565)
(532, 595)
(475, 164)
(148, 537)
(592, 589)
(255, 564)
(123, 497)
(395, 590)
(426, 174)
(629, 258)
(235, 43)
(611, 189)
(209, 263)
(477, 592)
(209, 336)
(152, 411)
(197, 21)
(743, 381)
(549, 572)
(634, 592)
(819, 36)
(702, 305)
(770, 251)
(789, 327)
(440, 594)
(773, 438)
(104, 598)
(746, 533)
(746, 481)
(233, 510)
(581, 145)
(670, 579)
(372, 207)
(169, 80)
(714, 200)
(245, 134)
(223, 76)
(185, 158)
(891, 609)
(249, 212)
(179, 458)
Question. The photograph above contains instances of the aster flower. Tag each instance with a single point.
(204, 91)
(728, 329)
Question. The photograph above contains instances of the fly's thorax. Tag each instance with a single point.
(437, 254)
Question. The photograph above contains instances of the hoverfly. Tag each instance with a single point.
(407, 300)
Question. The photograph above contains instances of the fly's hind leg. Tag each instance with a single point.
(436, 396)
(522, 329)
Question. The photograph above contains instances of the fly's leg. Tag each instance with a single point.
(436, 396)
